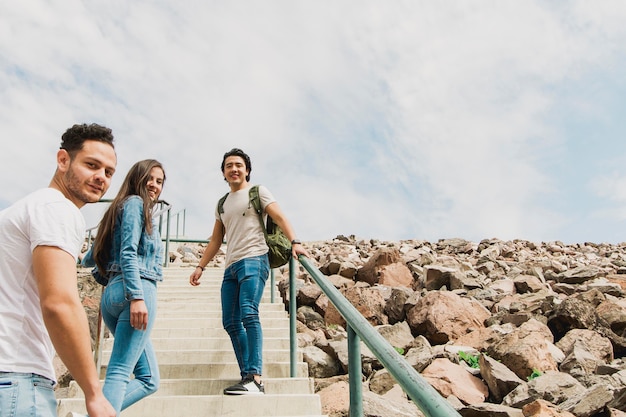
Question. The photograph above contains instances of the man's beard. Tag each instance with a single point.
(77, 188)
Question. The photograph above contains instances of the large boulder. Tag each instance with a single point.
(444, 316)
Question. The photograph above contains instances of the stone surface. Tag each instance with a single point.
(521, 308)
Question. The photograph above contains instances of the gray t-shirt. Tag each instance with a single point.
(243, 233)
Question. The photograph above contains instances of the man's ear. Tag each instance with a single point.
(63, 160)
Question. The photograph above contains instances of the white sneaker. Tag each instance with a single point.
(247, 386)
(73, 414)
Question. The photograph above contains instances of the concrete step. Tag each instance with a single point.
(211, 332)
(211, 386)
(211, 282)
(276, 405)
(225, 370)
(205, 282)
(204, 289)
(209, 355)
(214, 287)
(184, 306)
(204, 343)
(211, 289)
(214, 323)
(267, 314)
(204, 299)
(184, 271)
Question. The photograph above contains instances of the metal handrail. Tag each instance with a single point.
(417, 388)
(177, 215)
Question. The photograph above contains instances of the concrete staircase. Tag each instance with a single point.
(197, 362)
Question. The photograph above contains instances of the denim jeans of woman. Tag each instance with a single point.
(132, 349)
(242, 290)
(24, 394)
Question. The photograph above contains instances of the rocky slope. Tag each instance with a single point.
(499, 328)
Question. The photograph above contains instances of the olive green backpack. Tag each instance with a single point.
(278, 244)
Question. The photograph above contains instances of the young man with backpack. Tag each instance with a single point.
(247, 267)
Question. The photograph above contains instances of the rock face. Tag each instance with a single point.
(499, 328)
(511, 328)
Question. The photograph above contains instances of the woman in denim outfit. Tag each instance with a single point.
(128, 256)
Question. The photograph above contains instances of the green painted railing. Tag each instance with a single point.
(427, 399)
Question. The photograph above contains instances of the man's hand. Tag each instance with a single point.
(194, 278)
(99, 406)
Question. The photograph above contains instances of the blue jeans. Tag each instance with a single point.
(132, 349)
(242, 289)
(26, 395)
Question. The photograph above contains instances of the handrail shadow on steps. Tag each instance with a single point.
(427, 399)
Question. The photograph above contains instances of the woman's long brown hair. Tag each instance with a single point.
(135, 183)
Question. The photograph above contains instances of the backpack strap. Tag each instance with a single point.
(255, 200)
(220, 205)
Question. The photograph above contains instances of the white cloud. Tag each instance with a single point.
(402, 120)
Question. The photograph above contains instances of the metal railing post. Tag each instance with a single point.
(184, 220)
(293, 337)
(160, 214)
(272, 284)
(355, 377)
(178, 220)
(167, 240)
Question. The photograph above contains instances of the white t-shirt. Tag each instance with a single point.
(43, 218)
(244, 235)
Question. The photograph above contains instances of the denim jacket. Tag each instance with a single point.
(134, 253)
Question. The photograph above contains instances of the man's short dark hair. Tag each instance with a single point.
(74, 137)
(243, 155)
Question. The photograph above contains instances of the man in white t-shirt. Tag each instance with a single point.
(40, 308)
(247, 267)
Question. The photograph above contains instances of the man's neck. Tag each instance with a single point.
(57, 184)
(238, 187)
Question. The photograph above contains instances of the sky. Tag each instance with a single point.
(388, 120)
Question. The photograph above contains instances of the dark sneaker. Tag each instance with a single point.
(247, 386)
